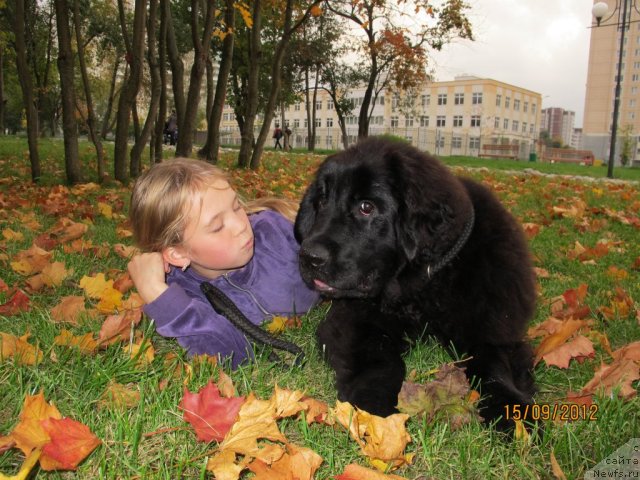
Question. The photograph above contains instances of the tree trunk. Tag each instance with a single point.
(26, 85)
(212, 145)
(276, 78)
(177, 69)
(91, 116)
(67, 90)
(255, 54)
(112, 89)
(135, 52)
(154, 69)
(162, 60)
(186, 129)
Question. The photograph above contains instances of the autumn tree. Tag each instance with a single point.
(394, 38)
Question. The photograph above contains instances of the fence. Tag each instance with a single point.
(439, 142)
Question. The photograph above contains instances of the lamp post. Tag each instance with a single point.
(599, 10)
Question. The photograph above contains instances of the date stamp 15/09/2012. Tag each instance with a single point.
(563, 412)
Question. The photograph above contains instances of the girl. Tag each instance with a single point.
(194, 228)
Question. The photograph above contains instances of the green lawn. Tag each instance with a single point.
(150, 439)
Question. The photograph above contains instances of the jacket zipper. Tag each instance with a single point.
(250, 293)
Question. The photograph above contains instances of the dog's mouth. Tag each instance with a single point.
(322, 287)
(340, 291)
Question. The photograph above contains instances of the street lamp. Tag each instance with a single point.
(599, 10)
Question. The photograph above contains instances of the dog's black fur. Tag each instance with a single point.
(372, 225)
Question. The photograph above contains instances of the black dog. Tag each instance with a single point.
(404, 247)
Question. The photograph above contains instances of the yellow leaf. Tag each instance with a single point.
(69, 309)
(147, 355)
(54, 274)
(85, 343)
(119, 396)
(105, 210)
(23, 352)
(12, 236)
(29, 433)
(95, 286)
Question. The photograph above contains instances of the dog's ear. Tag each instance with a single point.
(306, 213)
(424, 191)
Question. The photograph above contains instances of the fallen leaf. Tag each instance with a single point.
(19, 349)
(143, 352)
(86, 344)
(555, 468)
(618, 375)
(18, 302)
(209, 414)
(118, 327)
(358, 472)
(224, 467)
(71, 442)
(53, 274)
(383, 439)
(69, 310)
(29, 433)
(630, 351)
(298, 463)
(31, 261)
(558, 337)
(579, 347)
(119, 396)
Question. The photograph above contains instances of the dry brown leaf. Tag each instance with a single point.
(558, 337)
(69, 310)
(85, 343)
(579, 347)
(358, 472)
(555, 468)
(31, 261)
(620, 374)
(19, 349)
(119, 396)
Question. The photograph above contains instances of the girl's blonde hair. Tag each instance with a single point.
(162, 195)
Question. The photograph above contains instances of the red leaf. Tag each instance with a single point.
(71, 442)
(19, 302)
(209, 414)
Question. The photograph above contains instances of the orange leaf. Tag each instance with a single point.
(299, 463)
(125, 251)
(69, 309)
(561, 335)
(119, 396)
(383, 439)
(620, 374)
(71, 442)
(29, 433)
(630, 351)
(85, 343)
(579, 347)
(118, 327)
(143, 352)
(53, 274)
(555, 468)
(31, 261)
(23, 352)
(209, 414)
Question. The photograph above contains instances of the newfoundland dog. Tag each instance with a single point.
(404, 248)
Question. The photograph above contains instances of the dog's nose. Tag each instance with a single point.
(315, 256)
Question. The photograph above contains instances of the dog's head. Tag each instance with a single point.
(370, 211)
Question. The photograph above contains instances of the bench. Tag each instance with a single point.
(500, 151)
(566, 155)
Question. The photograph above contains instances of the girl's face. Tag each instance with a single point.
(218, 237)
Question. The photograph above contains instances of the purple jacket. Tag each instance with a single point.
(270, 284)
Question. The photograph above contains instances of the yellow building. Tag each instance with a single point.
(604, 51)
(447, 118)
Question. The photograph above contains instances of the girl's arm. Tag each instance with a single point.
(148, 271)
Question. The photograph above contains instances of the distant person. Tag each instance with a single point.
(287, 138)
(277, 134)
(171, 129)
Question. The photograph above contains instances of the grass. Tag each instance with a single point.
(132, 446)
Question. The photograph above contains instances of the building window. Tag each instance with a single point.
(408, 122)
(524, 127)
(526, 107)
(440, 141)
(516, 105)
(394, 102)
(329, 141)
(442, 99)
(330, 104)
(457, 120)
(507, 102)
(318, 122)
(498, 100)
(474, 143)
(426, 100)
(458, 99)
(318, 104)
(424, 121)
(394, 121)
(476, 98)
(475, 120)
(515, 125)
(296, 123)
(306, 123)
(329, 122)
(441, 121)
(533, 108)
(456, 142)
(505, 125)
(296, 107)
(496, 122)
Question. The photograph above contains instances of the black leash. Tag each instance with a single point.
(225, 307)
(450, 255)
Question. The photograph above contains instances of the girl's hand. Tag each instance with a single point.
(148, 271)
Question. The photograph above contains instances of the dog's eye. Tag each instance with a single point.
(366, 208)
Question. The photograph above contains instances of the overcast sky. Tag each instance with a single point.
(541, 45)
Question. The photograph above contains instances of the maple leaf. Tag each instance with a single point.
(31, 261)
(316, 410)
(23, 352)
(143, 352)
(125, 251)
(209, 414)
(86, 344)
(18, 302)
(630, 351)
(558, 337)
(53, 274)
(297, 463)
(12, 236)
(619, 374)
(555, 468)
(224, 467)
(358, 472)
(71, 442)
(381, 439)
(67, 230)
(579, 347)
(29, 433)
(446, 395)
(118, 327)
(95, 287)
(69, 309)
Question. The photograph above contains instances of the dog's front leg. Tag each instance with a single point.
(365, 351)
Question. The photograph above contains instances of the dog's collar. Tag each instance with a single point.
(444, 261)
